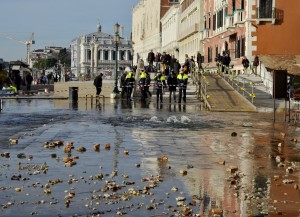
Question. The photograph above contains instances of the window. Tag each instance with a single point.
(113, 55)
(242, 4)
(265, 9)
(237, 48)
(209, 55)
(243, 46)
(174, 1)
(214, 22)
(105, 54)
(233, 5)
(89, 55)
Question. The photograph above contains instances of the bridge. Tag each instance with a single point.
(221, 96)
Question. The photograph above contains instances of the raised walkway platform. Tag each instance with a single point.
(222, 97)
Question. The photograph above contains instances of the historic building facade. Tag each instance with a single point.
(190, 20)
(96, 52)
(169, 33)
(146, 26)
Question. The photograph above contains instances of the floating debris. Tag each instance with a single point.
(107, 146)
(233, 134)
(183, 172)
(13, 141)
(81, 149)
(97, 147)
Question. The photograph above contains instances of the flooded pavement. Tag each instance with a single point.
(165, 160)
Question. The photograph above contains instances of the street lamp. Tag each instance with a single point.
(117, 41)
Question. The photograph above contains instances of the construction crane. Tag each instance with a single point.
(29, 42)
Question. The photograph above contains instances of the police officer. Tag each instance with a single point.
(182, 79)
(160, 83)
(129, 83)
(142, 83)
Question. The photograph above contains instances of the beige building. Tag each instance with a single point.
(146, 26)
(190, 22)
(169, 33)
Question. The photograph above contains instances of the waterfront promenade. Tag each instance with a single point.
(220, 96)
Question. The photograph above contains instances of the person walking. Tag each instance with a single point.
(172, 83)
(160, 83)
(255, 65)
(245, 63)
(199, 61)
(29, 80)
(182, 80)
(98, 83)
(226, 62)
(148, 82)
(150, 59)
(177, 67)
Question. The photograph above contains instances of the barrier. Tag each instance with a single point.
(73, 94)
(92, 99)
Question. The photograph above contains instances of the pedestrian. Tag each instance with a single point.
(160, 83)
(163, 62)
(28, 80)
(177, 67)
(225, 62)
(245, 63)
(148, 82)
(142, 84)
(186, 65)
(130, 83)
(199, 61)
(182, 80)
(172, 83)
(157, 60)
(150, 59)
(18, 81)
(98, 83)
(122, 83)
(255, 65)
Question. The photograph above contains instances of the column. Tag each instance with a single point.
(96, 57)
(92, 59)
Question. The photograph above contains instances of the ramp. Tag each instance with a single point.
(222, 97)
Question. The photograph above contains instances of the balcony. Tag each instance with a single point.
(204, 36)
(238, 17)
(229, 21)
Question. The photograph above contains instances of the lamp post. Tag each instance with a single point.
(116, 40)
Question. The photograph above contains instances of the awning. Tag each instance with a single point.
(282, 62)
(16, 68)
(26, 70)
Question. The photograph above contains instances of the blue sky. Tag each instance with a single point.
(57, 22)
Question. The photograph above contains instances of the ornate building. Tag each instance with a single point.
(96, 52)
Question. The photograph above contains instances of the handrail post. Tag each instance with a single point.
(252, 92)
(243, 87)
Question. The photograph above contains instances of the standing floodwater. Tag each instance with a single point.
(153, 160)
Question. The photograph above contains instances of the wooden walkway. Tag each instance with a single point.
(222, 97)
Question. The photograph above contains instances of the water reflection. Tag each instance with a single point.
(186, 136)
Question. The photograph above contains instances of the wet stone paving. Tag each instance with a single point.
(115, 159)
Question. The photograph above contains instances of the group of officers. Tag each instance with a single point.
(161, 82)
